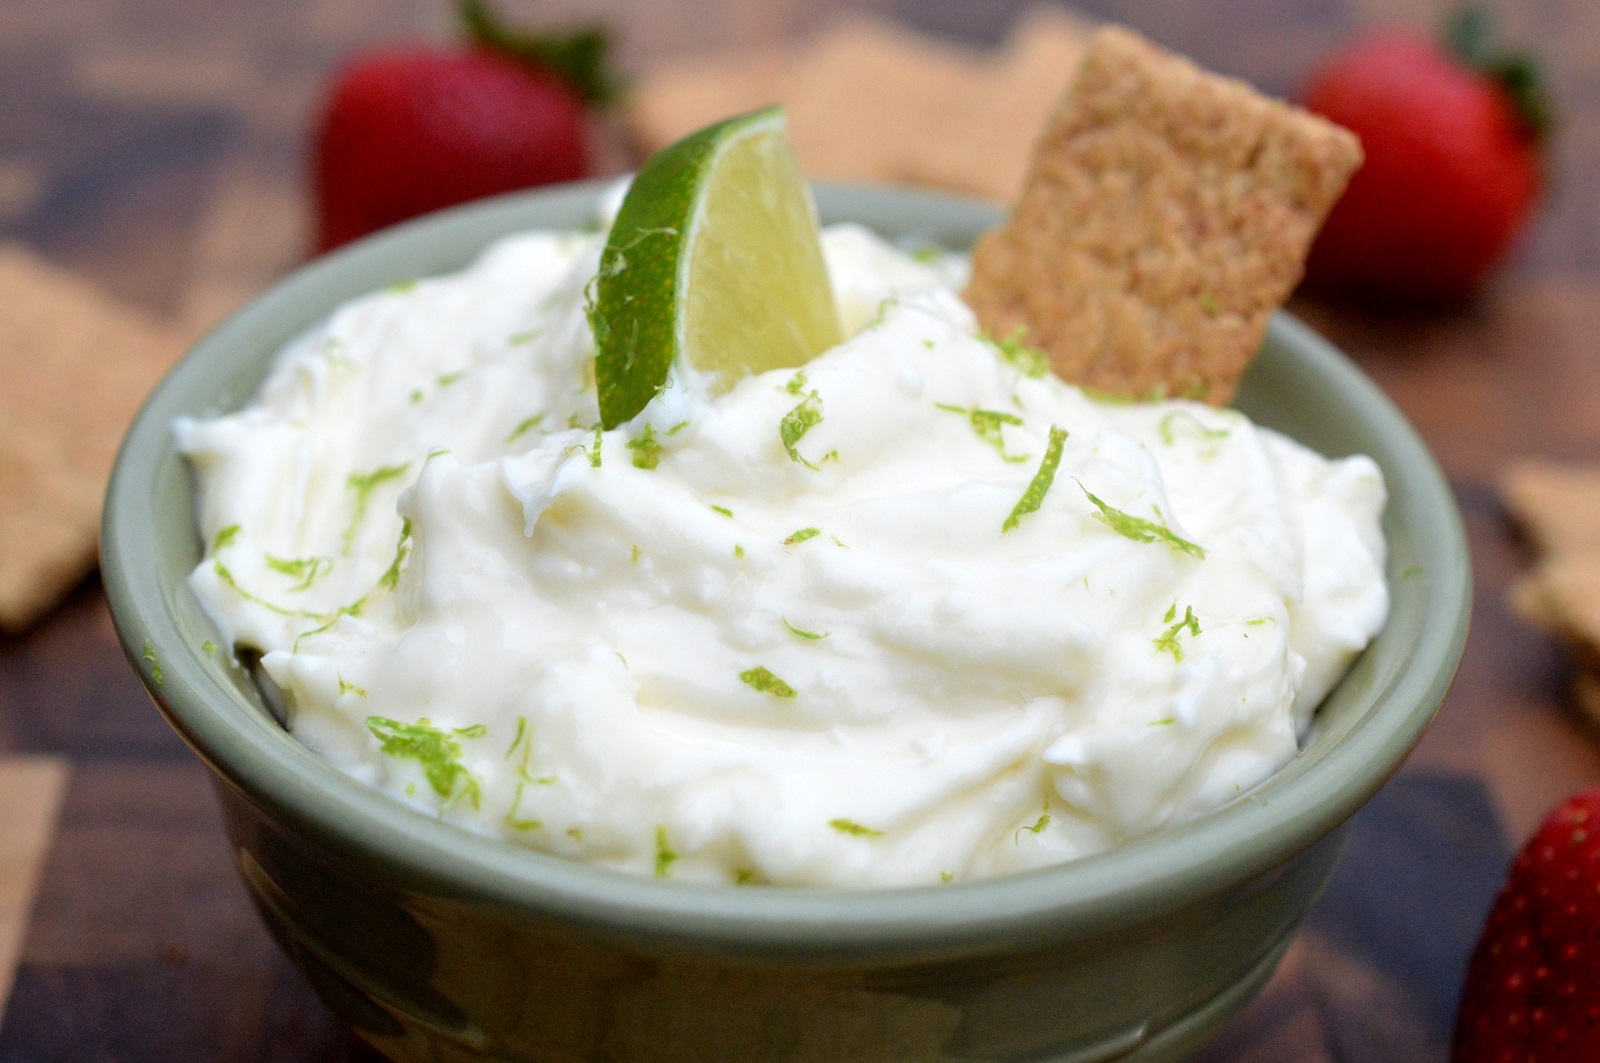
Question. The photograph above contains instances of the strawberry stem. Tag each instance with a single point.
(578, 56)
(1470, 36)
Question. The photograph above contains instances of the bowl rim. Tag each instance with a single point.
(1107, 891)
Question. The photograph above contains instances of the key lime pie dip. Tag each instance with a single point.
(915, 611)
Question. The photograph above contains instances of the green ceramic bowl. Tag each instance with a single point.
(438, 945)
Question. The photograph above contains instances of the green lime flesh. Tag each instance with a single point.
(713, 263)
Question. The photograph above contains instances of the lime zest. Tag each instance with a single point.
(526, 425)
(313, 631)
(516, 739)
(988, 424)
(634, 559)
(363, 484)
(224, 537)
(724, 510)
(524, 739)
(1167, 642)
(1257, 621)
(444, 380)
(1169, 439)
(149, 654)
(416, 396)
(797, 422)
(1040, 485)
(208, 646)
(802, 535)
(305, 569)
(593, 454)
(1029, 361)
(225, 574)
(854, 829)
(1103, 397)
(675, 429)
(646, 451)
(947, 876)
(436, 750)
(1209, 305)
(1408, 572)
(402, 551)
(519, 338)
(1165, 721)
(882, 314)
(738, 551)
(1140, 530)
(665, 857)
(347, 687)
(759, 678)
(1038, 825)
(333, 349)
(812, 635)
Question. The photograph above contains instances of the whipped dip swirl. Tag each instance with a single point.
(918, 611)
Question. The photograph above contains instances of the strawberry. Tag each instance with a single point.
(1452, 136)
(1533, 986)
(411, 130)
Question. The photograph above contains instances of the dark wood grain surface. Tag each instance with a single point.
(157, 147)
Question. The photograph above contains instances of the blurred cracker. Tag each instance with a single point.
(678, 98)
(998, 122)
(1167, 213)
(31, 789)
(76, 365)
(1558, 505)
(1562, 595)
(866, 92)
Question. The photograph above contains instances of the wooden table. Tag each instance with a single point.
(156, 146)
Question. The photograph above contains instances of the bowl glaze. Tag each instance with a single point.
(438, 945)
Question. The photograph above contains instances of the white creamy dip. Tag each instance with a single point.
(867, 663)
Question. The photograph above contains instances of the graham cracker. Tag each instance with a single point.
(1167, 212)
(76, 365)
(1557, 505)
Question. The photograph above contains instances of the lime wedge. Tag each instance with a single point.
(713, 263)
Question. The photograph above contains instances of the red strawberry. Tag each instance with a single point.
(1452, 167)
(412, 130)
(1533, 987)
